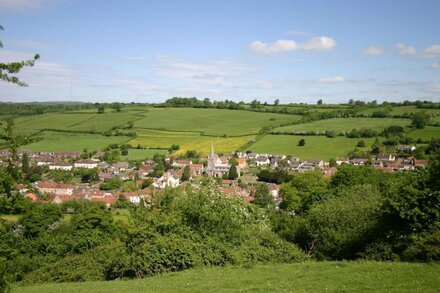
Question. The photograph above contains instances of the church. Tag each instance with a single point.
(215, 167)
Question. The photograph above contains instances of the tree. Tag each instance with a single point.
(117, 107)
(262, 196)
(276, 102)
(233, 172)
(332, 162)
(101, 109)
(361, 144)
(319, 102)
(25, 167)
(419, 120)
(6, 69)
(186, 173)
(302, 142)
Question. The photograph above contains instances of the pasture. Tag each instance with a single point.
(426, 133)
(211, 121)
(299, 277)
(67, 141)
(316, 147)
(142, 154)
(345, 124)
(188, 141)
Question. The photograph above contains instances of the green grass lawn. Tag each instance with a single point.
(316, 147)
(300, 277)
(426, 133)
(345, 124)
(142, 154)
(63, 141)
(188, 141)
(211, 121)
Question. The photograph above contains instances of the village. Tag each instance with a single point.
(144, 180)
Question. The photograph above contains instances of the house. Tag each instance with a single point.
(340, 161)
(328, 171)
(358, 162)
(310, 165)
(144, 170)
(167, 180)
(55, 188)
(376, 164)
(406, 148)
(274, 190)
(61, 166)
(420, 163)
(121, 166)
(181, 163)
(386, 157)
(87, 164)
(197, 169)
(32, 197)
(241, 162)
(262, 161)
(44, 161)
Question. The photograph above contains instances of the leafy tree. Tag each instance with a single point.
(276, 102)
(40, 219)
(361, 144)
(332, 162)
(262, 196)
(7, 69)
(101, 109)
(420, 119)
(302, 142)
(25, 167)
(186, 173)
(233, 172)
(319, 102)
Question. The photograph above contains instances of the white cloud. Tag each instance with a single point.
(332, 79)
(435, 65)
(319, 44)
(373, 51)
(277, 47)
(432, 51)
(26, 5)
(313, 44)
(403, 49)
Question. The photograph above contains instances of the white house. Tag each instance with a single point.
(167, 180)
(61, 166)
(88, 164)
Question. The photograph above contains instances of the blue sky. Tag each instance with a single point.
(297, 51)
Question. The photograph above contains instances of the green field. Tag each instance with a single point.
(345, 124)
(426, 133)
(188, 141)
(142, 154)
(64, 141)
(211, 121)
(74, 121)
(300, 277)
(400, 110)
(316, 147)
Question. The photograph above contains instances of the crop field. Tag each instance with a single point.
(141, 154)
(188, 141)
(75, 122)
(345, 124)
(211, 121)
(300, 277)
(426, 133)
(64, 141)
(400, 110)
(316, 147)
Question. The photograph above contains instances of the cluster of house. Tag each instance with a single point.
(213, 165)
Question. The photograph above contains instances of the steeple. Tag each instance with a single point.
(212, 149)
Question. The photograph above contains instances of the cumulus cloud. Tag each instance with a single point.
(403, 49)
(332, 79)
(373, 51)
(313, 44)
(432, 51)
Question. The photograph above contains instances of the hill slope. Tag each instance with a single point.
(300, 277)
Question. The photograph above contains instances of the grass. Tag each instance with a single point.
(426, 133)
(141, 154)
(74, 121)
(211, 121)
(316, 147)
(300, 277)
(345, 124)
(62, 141)
(188, 141)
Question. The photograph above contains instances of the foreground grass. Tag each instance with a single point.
(301, 277)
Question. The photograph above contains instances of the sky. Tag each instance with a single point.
(294, 51)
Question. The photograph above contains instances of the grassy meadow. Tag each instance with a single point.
(142, 154)
(211, 121)
(316, 147)
(64, 141)
(426, 133)
(299, 277)
(345, 124)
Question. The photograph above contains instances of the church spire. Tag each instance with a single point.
(212, 149)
